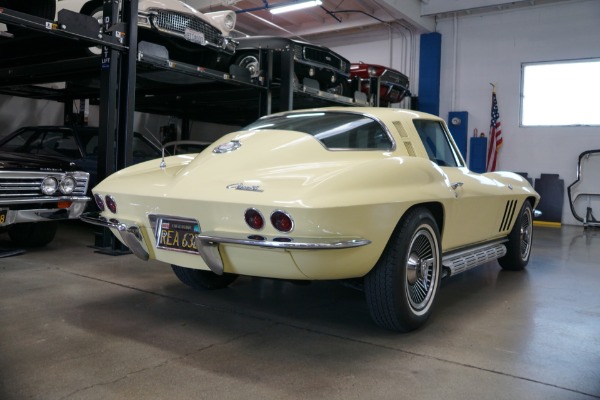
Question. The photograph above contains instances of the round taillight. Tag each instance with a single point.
(111, 203)
(254, 219)
(99, 202)
(49, 185)
(282, 221)
(67, 185)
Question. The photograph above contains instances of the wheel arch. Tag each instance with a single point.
(90, 6)
(436, 209)
(532, 200)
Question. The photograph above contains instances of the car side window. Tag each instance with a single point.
(62, 143)
(53, 143)
(18, 143)
(337, 131)
(434, 138)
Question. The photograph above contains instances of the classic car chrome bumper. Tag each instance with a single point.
(208, 242)
(13, 216)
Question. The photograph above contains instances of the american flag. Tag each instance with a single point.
(495, 136)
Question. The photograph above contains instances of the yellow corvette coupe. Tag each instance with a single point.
(377, 194)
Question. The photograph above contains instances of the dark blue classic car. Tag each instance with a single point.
(36, 192)
(77, 145)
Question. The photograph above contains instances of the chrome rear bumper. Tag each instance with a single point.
(208, 242)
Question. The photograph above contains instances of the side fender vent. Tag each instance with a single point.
(410, 149)
(400, 129)
(509, 213)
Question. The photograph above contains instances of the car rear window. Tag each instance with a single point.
(337, 131)
(48, 142)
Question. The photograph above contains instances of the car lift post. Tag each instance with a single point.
(286, 96)
(116, 108)
(265, 96)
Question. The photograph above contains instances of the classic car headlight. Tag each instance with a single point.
(111, 203)
(49, 185)
(67, 185)
(372, 71)
(298, 52)
(229, 22)
(99, 202)
(282, 221)
(344, 66)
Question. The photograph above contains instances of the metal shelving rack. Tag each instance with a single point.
(145, 79)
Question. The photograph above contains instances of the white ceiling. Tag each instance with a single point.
(336, 16)
(332, 16)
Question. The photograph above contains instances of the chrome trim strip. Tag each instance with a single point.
(208, 247)
(95, 219)
(306, 244)
(465, 259)
(45, 199)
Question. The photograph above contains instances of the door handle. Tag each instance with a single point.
(455, 186)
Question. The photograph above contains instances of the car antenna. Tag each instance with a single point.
(163, 164)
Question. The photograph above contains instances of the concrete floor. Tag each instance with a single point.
(79, 325)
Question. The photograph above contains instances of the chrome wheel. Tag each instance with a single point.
(520, 240)
(401, 289)
(421, 269)
(526, 234)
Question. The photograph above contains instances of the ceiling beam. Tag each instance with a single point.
(410, 11)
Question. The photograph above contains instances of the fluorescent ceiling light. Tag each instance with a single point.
(295, 6)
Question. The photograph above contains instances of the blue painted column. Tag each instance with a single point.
(430, 61)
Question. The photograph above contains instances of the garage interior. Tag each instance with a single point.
(78, 324)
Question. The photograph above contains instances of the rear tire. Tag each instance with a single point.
(33, 234)
(341, 89)
(200, 279)
(249, 61)
(520, 238)
(96, 12)
(401, 289)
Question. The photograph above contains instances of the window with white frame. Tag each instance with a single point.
(561, 93)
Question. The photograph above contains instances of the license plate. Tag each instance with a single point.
(3, 216)
(194, 36)
(177, 234)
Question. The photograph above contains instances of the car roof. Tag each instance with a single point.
(378, 112)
